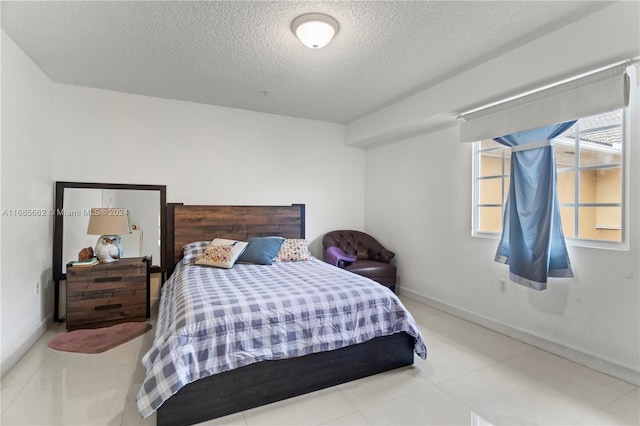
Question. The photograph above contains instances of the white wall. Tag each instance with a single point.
(418, 201)
(27, 183)
(210, 155)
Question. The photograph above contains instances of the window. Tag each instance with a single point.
(590, 169)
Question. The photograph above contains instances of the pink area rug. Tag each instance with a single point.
(95, 341)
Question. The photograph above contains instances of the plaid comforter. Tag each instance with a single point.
(213, 320)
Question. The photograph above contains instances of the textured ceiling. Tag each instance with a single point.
(243, 54)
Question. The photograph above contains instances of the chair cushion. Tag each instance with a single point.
(372, 269)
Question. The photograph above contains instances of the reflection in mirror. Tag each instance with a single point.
(74, 200)
(143, 212)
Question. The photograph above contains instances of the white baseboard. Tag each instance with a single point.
(15, 356)
(571, 353)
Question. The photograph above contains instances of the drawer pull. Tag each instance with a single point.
(107, 279)
(104, 307)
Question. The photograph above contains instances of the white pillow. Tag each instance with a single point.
(293, 250)
(222, 253)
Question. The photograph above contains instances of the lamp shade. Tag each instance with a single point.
(315, 30)
(108, 221)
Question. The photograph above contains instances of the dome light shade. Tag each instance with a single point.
(315, 30)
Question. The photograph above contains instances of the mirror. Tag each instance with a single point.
(145, 208)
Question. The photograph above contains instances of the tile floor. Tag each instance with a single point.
(473, 376)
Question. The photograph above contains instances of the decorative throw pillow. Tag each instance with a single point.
(293, 250)
(261, 250)
(191, 251)
(221, 253)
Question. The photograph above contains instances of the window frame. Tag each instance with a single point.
(476, 189)
(623, 244)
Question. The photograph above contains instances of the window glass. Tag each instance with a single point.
(491, 163)
(567, 187)
(565, 155)
(491, 191)
(567, 215)
(490, 218)
(600, 223)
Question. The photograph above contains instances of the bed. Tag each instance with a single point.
(190, 380)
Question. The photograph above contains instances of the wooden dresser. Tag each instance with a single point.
(107, 293)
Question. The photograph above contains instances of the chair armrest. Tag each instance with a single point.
(337, 257)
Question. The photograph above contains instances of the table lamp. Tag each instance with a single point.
(108, 223)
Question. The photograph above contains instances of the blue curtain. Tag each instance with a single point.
(532, 242)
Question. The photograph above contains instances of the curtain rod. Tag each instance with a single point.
(627, 62)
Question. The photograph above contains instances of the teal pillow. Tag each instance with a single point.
(261, 250)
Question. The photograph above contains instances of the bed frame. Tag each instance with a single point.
(268, 381)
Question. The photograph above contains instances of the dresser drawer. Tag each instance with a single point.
(107, 306)
(105, 271)
(84, 286)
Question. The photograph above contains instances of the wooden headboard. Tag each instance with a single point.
(186, 224)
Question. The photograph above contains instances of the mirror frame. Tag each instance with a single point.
(58, 227)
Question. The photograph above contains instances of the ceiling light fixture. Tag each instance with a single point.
(315, 30)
